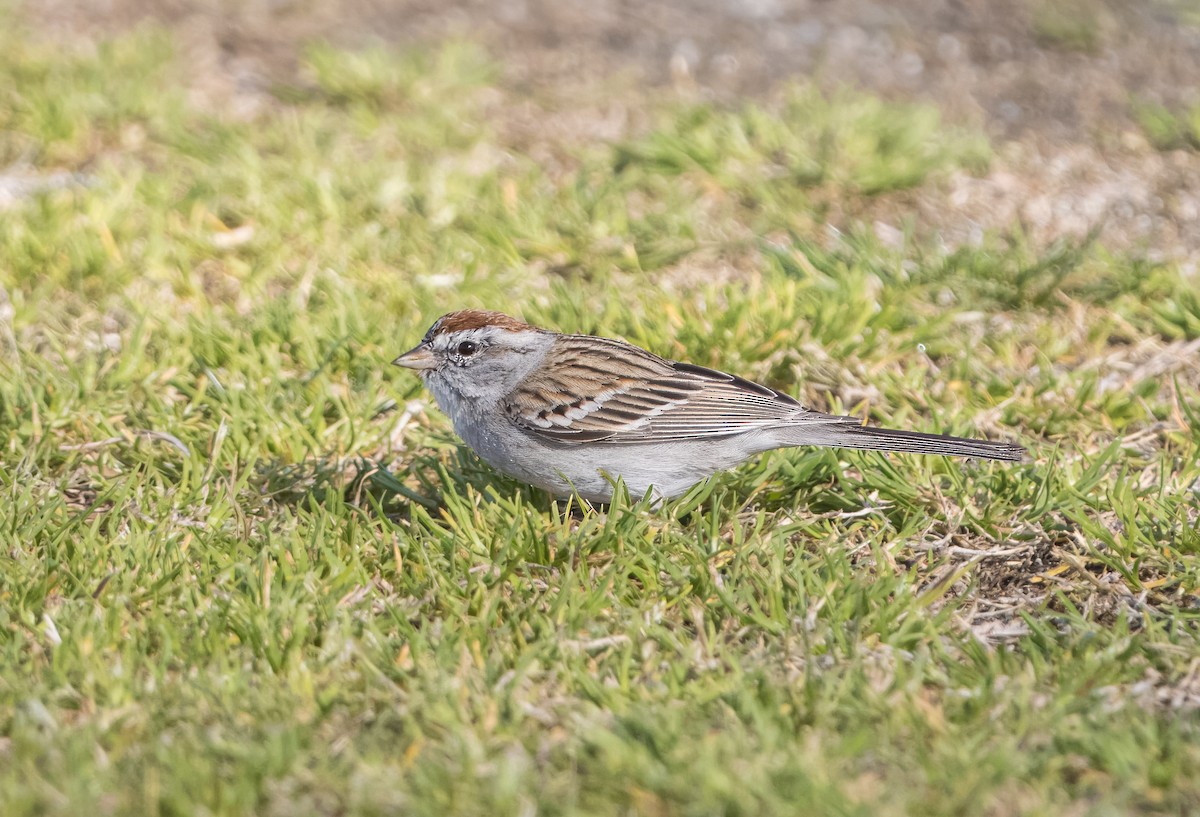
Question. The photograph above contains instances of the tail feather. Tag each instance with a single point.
(872, 438)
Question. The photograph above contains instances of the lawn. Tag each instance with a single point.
(247, 569)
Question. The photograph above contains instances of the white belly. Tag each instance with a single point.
(590, 469)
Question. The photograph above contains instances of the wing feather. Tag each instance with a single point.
(601, 389)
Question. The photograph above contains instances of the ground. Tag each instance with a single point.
(247, 569)
(1059, 86)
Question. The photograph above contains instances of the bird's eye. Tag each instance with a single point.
(467, 348)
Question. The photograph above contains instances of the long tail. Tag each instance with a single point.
(872, 438)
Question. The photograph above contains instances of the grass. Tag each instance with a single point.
(1083, 26)
(244, 571)
(1169, 129)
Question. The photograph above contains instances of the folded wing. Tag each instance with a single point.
(602, 389)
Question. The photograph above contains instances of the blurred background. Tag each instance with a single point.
(1092, 106)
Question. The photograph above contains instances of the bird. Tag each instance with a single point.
(573, 414)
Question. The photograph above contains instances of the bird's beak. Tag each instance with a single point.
(419, 358)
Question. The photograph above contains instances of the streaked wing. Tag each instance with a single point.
(601, 389)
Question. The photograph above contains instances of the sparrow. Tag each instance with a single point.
(571, 414)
